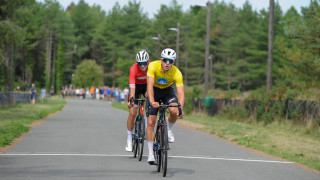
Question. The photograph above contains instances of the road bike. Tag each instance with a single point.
(139, 131)
(161, 145)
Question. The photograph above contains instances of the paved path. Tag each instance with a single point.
(87, 140)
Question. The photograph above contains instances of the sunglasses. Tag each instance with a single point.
(165, 60)
(142, 63)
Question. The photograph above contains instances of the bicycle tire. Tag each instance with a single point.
(135, 143)
(164, 149)
(141, 137)
(158, 147)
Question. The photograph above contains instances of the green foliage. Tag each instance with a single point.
(239, 114)
(123, 73)
(238, 43)
(60, 63)
(191, 93)
(88, 74)
(120, 106)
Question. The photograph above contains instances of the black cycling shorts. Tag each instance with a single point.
(166, 95)
(140, 89)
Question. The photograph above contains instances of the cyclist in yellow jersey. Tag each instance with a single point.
(160, 77)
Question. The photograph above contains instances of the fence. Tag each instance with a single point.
(291, 108)
(12, 98)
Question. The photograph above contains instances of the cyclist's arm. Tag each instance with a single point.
(132, 84)
(179, 84)
(181, 97)
(132, 92)
(150, 83)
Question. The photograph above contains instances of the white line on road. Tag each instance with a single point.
(119, 155)
(231, 159)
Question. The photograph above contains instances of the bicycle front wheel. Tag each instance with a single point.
(164, 149)
(135, 143)
(157, 148)
(141, 137)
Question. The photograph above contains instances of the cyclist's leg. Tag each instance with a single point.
(132, 115)
(150, 134)
(130, 125)
(171, 99)
(152, 118)
(131, 119)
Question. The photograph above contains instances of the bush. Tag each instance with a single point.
(234, 113)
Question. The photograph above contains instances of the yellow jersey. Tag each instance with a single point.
(163, 80)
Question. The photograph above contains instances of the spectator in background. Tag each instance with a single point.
(92, 91)
(102, 90)
(18, 89)
(81, 93)
(51, 91)
(43, 94)
(63, 91)
(78, 93)
(115, 94)
(122, 97)
(126, 92)
(108, 94)
(97, 93)
(33, 92)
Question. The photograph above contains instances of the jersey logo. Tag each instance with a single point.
(162, 81)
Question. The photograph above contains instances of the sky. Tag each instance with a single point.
(152, 6)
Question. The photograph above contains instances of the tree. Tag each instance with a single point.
(270, 45)
(88, 74)
(10, 33)
(60, 63)
(228, 68)
(82, 18)
(299, 48)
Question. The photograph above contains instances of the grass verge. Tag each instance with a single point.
(284, 140)
(120, 106)
(17, 119)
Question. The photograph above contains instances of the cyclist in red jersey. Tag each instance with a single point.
(138, 86)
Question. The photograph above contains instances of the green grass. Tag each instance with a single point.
(120, 106)
(284, 140)
(16, 119)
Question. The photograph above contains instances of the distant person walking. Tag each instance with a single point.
(43, 94)
(63, 91)
(33, 92)
(51, 91)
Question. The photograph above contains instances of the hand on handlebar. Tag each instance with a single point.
(154, 104)
(182, 115)
(130, 103)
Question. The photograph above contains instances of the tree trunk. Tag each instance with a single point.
(186, 72)
(5, 70)
(113, 72)
(11, 66)
(49, 55)
(206, 66)
(229, 74)
(54, 66)
(270, 46)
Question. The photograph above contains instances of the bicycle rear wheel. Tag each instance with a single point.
(164, 149)
(141, 137)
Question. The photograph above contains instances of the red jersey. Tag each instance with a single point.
(137, 76)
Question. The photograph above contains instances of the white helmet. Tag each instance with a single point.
(142, 56)
(169, 53)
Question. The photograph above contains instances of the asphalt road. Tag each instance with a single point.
(86, 140)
